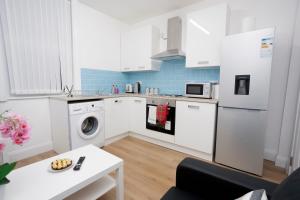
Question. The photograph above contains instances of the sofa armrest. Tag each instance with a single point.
(214, 182)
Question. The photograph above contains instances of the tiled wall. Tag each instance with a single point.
(94, 81)
(170, 79)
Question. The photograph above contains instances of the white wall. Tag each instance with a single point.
(292, 93)
(96, 40)
(268, 13)
(37, 113)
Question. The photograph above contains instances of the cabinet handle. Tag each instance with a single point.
(126, 68)
(194, 107)
(79, 109)
(118, 101)
(141, 67)
(203, 62)
(137, 101)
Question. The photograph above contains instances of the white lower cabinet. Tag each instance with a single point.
(116, 116)
(137, 114)
(195, 125)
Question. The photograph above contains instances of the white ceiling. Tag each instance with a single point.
(132, 11)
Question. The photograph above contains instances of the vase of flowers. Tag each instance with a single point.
(15, 128)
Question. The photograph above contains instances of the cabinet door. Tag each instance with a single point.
(116, 117)
(138, 45)
(138, 115)
(195, 125)
(205, 31)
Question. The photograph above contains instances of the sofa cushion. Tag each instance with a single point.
(200, 178)
(177, 194)
(289, 189)
(254, 195)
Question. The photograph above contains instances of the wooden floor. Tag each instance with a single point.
(150, 169)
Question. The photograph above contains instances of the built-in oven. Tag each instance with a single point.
(152, 123)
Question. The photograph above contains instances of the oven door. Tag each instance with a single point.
(169, 128)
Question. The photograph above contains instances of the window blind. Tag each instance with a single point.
(38, 45)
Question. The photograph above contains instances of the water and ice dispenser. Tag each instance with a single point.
(242, 85)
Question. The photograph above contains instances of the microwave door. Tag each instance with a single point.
(194, 89)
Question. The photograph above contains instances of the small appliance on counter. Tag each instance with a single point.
(200, 90)
(128, 88)
(137, 88)
(215, 90)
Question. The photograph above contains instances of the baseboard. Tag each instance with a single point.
(282, 161)
(116, 138)
(270, 154)
(28, 152)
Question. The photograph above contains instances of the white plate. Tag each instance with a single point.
(61, 170)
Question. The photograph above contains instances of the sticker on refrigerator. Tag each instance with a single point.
(266, 48)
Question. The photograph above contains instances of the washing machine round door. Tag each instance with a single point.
(88, 126)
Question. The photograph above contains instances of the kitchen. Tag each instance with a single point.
(128, 67)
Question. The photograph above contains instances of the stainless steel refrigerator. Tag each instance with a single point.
(244, 92)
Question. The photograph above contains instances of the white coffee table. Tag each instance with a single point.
(92, 181)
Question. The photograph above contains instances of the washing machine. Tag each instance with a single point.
(86, 123)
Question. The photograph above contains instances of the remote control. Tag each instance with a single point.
(79, 163)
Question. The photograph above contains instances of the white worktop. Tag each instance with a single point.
(92, 97)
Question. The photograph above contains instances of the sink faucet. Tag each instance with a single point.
(68, 91)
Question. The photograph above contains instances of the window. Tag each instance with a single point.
(38, 45)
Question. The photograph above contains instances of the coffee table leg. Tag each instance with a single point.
(120, 183)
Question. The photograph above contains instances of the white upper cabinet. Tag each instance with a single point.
(137, 47)
(205, 31)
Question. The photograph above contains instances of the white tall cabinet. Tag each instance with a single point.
(206, 29)
(137, 47)
(195, 125)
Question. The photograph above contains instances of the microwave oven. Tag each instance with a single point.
(200, 90)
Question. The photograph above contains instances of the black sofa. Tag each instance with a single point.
(197, 180)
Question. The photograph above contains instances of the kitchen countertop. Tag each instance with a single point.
(93, 97)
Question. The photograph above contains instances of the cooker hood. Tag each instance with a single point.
(173, 42)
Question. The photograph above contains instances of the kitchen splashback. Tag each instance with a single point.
(170, 79)
(94, 81)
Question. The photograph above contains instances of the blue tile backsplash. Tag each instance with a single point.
(170, 79)
(94, 81)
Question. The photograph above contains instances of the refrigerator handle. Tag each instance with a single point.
(235, 108)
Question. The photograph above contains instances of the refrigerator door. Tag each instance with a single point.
(240, 139)
(246, 69)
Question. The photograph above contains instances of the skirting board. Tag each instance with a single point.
(28, 152)
(116, 138)
(270, 154)
(282, 162)
(175, 147)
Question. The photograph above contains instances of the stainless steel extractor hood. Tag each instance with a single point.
(173, 42)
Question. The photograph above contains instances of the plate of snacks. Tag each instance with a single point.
(59, 165)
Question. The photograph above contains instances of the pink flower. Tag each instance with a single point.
(2, 147)
(15, 127)
(5, 128)
(19, 136)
